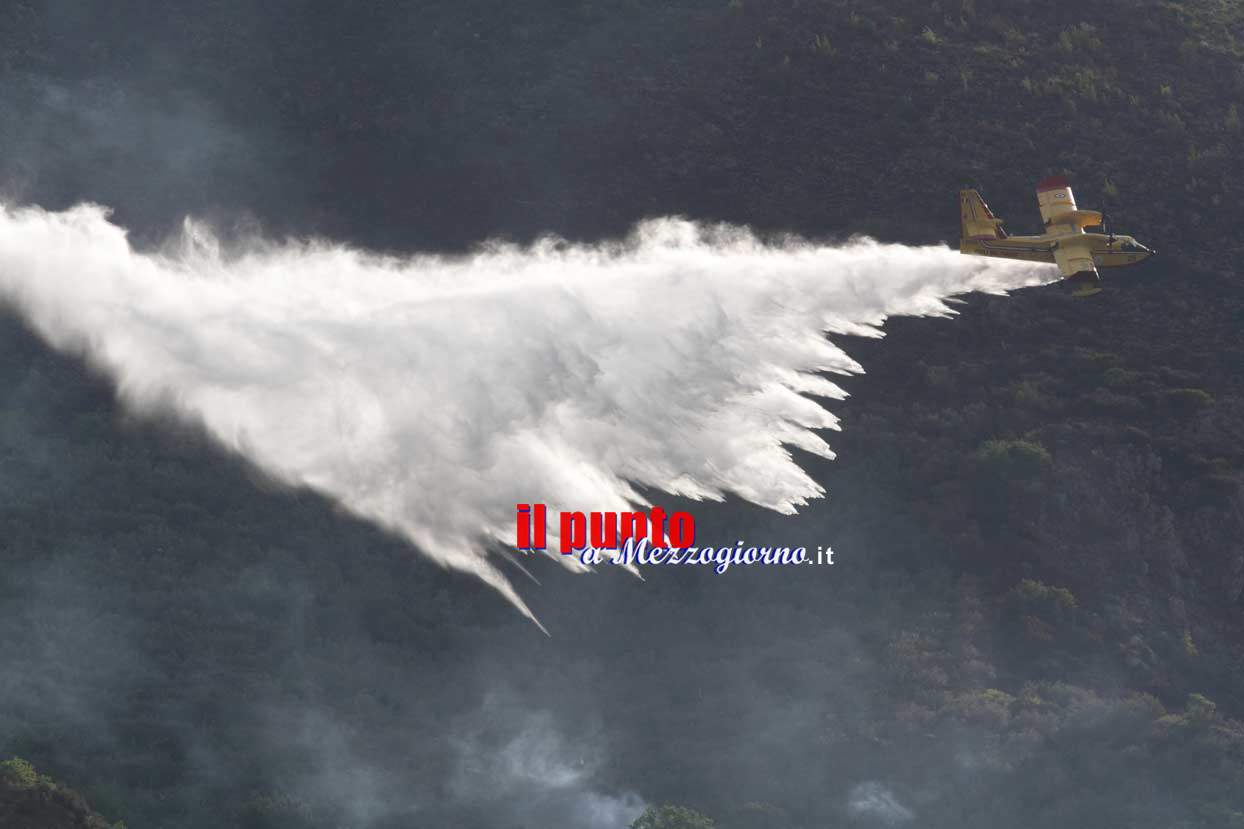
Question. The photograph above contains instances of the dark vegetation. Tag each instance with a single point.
(1036, 620)
(29, 800)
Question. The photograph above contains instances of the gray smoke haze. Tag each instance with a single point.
(156, 151)
(873, 800)
(515, 760)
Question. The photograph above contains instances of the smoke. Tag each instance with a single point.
(518, 760)
(65, 141)
(873, 800)
(431, 394)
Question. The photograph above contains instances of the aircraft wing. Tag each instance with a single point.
(1075, 262)
(1058, 205)
(1072, 258)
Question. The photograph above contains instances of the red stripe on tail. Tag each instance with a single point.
(1052, 183)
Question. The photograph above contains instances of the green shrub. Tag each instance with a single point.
(1082, 37)
(986, 707)
(1200, 709)
(1013, 459)
(1028, 393)
(1172, 121)
(1188, 399)
(1100, 360)
(672, 817)
(1190, 647)
(1145, 706)
(858, 21)
(1032, 590)
(19, 774)
(822, 46)
(1119, 377)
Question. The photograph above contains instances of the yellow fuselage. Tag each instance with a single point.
(1041, 248)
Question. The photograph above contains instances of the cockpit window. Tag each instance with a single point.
(1129, 245)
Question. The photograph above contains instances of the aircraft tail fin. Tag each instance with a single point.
(976, 220)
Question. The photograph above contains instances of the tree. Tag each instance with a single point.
(18, 773)
(672, 817)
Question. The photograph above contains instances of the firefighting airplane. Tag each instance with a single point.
(1078, 254)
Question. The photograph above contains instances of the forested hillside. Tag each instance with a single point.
(1036, 618)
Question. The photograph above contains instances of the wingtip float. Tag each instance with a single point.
(1065, 241)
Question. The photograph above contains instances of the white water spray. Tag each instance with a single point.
(431, 394)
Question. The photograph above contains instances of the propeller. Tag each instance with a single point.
(1106, 230)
